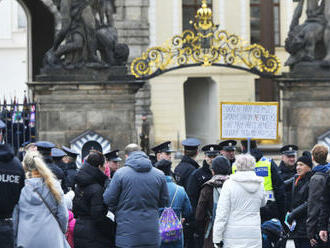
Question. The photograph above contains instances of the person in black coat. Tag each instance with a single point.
(93, 228)
(325, 211)
(71, 166)
(315, 195)
(298, 209)
(57, 155)
(12, 178)
(201, 175)
(196, 181)
(187, 164)
(287, 169)
(182, 173)
(45, 147)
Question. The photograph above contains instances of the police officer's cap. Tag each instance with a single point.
(58, 153)
(163, 147)
(70, 152)
(2, 125)
(212, 149)
(25, 143)
(228, 145)
(113, 156)
(289, 150)
(191, 143)
(45, 145)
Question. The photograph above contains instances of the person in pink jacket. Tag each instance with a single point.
(72, 221)
(69, 233)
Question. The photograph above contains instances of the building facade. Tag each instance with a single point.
(182, 103)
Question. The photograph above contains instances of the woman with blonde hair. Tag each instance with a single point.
(237, 222)
(41, 216)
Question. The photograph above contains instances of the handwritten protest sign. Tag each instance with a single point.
(243, 120)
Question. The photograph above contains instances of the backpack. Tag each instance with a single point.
(170, 227)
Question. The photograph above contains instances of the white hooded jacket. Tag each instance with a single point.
(237, 221)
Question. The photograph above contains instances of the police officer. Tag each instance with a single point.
(227, 149)
(163, 155)
(188, 164)
(71, 166)
(201, 175)
(57, 155)
(12, 178)
(288, 170)
(288, 163)
(182, 172)
(196, 181)
(163, 151)
(273, 184)
(113, 159)
(45, 148)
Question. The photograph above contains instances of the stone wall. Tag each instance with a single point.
(67, 109)
(132, 23)
(306, 110)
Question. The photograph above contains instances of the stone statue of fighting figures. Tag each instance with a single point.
(310, 41)
(87, 36)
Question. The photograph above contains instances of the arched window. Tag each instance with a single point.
(189, 10)
(256, 19)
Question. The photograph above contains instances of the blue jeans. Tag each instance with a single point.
(302, 243)
(6, 234)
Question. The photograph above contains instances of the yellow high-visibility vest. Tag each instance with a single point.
(263, 169)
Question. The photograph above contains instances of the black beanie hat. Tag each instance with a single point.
(221, 165)
(306, 158)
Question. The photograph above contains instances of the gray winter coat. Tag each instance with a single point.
(34, 225)
(134, 195)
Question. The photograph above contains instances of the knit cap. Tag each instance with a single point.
(306, 158)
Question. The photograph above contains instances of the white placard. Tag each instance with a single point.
(243, 120)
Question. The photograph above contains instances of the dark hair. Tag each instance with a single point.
(221, 165)
(190, 153)
(95, 159)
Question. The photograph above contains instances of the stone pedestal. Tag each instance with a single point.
(306, 108)
(66, 109)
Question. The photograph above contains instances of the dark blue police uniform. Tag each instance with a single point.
(12, 178)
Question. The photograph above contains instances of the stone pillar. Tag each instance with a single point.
(65, 109)
(306, 109)
(131, 21)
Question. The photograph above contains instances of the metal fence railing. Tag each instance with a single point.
(20, 120)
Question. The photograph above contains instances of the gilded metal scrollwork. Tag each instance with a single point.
(205, 46)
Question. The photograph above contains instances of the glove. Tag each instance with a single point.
(218, 245)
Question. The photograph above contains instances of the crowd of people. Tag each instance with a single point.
(232, 200)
